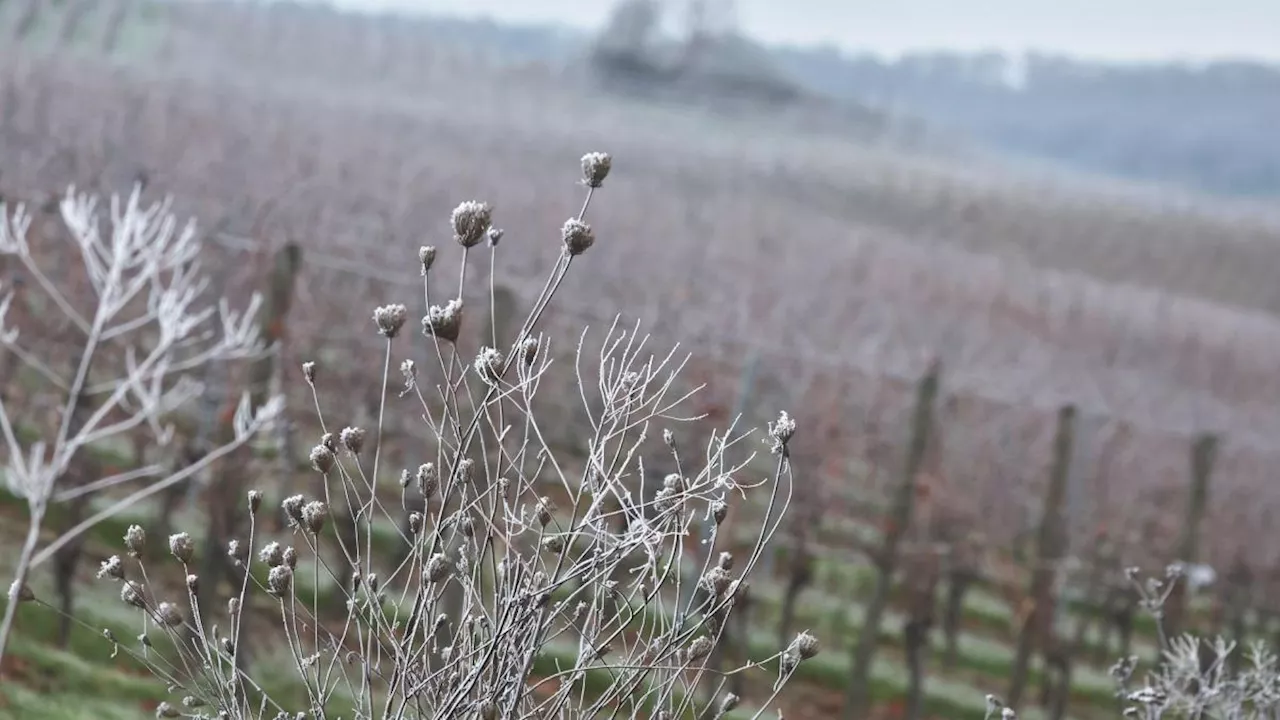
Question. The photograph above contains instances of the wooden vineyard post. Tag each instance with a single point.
(886, 560)
(229, 478)
(1051, 541)
(1204, 450)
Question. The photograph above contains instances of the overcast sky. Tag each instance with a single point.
(1114, 29)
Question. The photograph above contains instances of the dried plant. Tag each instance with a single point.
(142, 328)
(1195, 677)
(533, 583)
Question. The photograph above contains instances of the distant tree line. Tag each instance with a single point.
(1208, 126)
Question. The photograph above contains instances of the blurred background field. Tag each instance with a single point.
(816, 228)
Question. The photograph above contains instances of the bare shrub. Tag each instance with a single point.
(528, 581)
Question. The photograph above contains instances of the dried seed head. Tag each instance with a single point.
(182, 547)
(698, 649)
(465, 526)
(669, 438)
(406, 479)
(1008, 714)
(780, 433)
(330, 442)
(578, 237)
(495, 236)
(322, 458)
(353, 439)
(309, 372)
(553, 543)
(292, 506)
(542, 511)
(595, 168)
(279, 580)
(488, 364)
(112, 568)
(168, 614)
(135, 540)
(529, 350)
(428, 479)
(415, 522)
(233, 606)
(290, 557)
(444, 322)
(192, 702)
(438, 568)
(717, 580)
(426, 256)
(272, 554)
(255, 500)
(389, 319)
(630, 382)
(314, 515)
(165, 710)
(666, 499)
(131, 594)
(465, 472)
(20, 592)
(673, 482)
(804, 645)
(471, 220)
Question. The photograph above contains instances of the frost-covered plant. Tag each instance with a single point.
(531, 582)
(141, 332)
(1194, 677)
(1195, 680)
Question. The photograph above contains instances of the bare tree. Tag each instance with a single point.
(145, 303)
